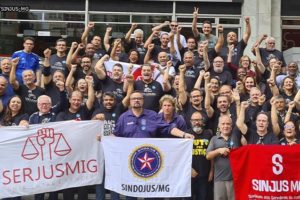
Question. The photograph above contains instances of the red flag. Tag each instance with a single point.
(266, 172)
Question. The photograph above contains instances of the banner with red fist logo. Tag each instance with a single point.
(50, 157)
(266, 172)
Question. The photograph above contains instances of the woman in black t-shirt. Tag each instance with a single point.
(13, 114)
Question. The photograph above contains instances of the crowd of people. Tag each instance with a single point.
(210, 92)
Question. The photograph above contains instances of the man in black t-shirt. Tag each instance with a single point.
(151, 89)
(58, 60)
(202, 171)
(239, 47)
(28, 92)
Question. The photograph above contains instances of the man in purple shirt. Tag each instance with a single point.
(138, 122)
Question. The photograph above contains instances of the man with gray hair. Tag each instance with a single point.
(269, 51)
(137, 42)
(218, 150)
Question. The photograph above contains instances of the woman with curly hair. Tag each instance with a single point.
(288, 88)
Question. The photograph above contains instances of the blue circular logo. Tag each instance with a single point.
(145, 161)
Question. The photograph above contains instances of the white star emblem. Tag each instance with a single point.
(146, 161)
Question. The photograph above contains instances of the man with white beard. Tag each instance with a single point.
(225, 77)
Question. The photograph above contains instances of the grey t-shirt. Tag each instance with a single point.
(212, 41)
(222, 168)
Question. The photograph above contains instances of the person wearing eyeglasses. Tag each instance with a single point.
(290, 135)
(217, 70)
(202, 170)
(139, 122)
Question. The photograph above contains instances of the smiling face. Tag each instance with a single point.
(262, 123)
(15, 104)
(288, 84)
(108, 102)
(289, 130)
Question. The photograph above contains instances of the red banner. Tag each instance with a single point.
(266, 172)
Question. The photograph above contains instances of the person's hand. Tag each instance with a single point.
(60, 85)
(74, 45)
(220, 28)
(100, 116)
(166, 23)
(201, 73)
(169, 63)
(150, 47)
(108, 29)
(91, 25)
(182, 68)
(178, 29)
(224, 151)
(292, 104)
(247, 20)
(117, 41)
(89, 80)
(264, 36)
(196, 12)
(47, 53)
(134, 25)
(194, 173)
(231, 48)
(129, 78)
(235, 95)
(155, 33)
(81, 46)
(271, 82)
(261, 100)
(206, 76)
(15, 61)
(188, 136)
(245, 104)
(106, 57)
(98, 137)
(73, 67)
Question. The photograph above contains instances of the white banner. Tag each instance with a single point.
(50, 157)
(148, 167)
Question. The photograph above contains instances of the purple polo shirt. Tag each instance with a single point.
(147, 125)
(178, 120)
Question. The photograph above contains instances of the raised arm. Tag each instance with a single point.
(182, 96)
(258, 42)
(178, 37)
(113, 54)
(47, 68)
(194, 23)
(247, 32)
(160, 26)
(91, 92)
(74, 45)
(208, 96)
(240, 122)
(100, 68)
(260, 65)
(12, 76)
(220, 40)
(130, 31)
(147, 57)
(274, 117)
(172, 46)
(106, 38)
(288, 115)
(130, 82)
(273, 86)
(85, 34)
(166, 82)
(199, 79)
(150, 38)
(70, 79)
(75, 54)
